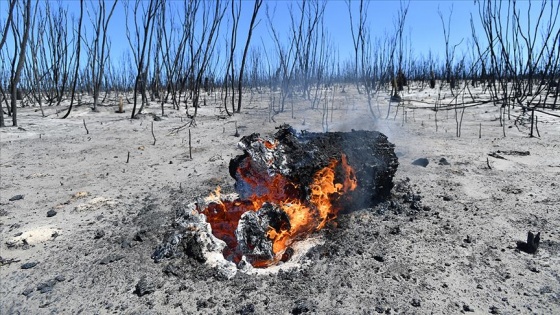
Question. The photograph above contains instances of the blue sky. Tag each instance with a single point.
(423, 26)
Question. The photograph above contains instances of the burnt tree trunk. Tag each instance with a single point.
(300, 156)
(289, 186)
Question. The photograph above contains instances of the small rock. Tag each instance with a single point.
(421, 162)
(447, 198)
(51, 213)
(60, 278)
(45, 287)
(99, 234)
(494, 310)
(144, 287)
(29, 265)
(534, 269)
(111, 258)
(467, 308)
(140, 236)
(395, 230)
(415, 303)
(27, 291)
(468, 240)
(302, 306)
(379, 258)
(16, 197)
(443, 161)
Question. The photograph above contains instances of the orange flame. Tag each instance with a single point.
(305, 216)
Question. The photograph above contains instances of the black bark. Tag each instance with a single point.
(300, 156)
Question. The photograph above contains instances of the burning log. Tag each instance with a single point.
(292, 185)
(296, 184)
(298, 158)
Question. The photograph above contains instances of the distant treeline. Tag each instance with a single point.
(179, 51)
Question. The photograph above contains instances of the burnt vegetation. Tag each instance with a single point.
(307, 221)
(185, 55)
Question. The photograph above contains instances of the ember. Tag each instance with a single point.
(293, 185)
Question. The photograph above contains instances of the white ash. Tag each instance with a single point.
(273, 159)
(192, 230)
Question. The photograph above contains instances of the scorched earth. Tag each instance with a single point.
(82, 214)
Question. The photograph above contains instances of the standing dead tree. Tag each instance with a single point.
(322, 65)
(78, 42)
(252, 25)
(298, 53)
(175, 47)
(256, 77)
(399, 77)
(55, 53)
(202, 50)
(155, 83)
(229, 77)
(368, 59)
(21, 24)
(98, 49)
(162, 51)
(286, 58)
(305, 31)
(140, 44)
(520, 61)
(35, 72)
(230, 73)
(396, 47)
(358, 38)
(5, 31)
(449, 51)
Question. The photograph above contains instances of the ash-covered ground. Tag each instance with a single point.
(80, 237)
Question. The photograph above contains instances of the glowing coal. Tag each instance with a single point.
(289, 186)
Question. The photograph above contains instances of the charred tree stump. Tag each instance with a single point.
(532, 244)
(318, 174)
(288, 186)
(300, 156)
